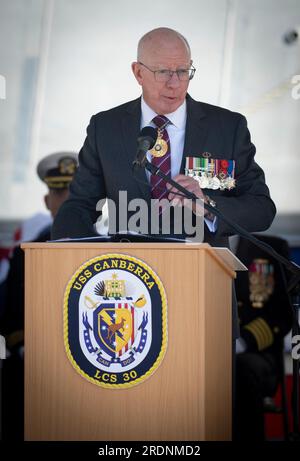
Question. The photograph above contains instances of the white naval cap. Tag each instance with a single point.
(57, 169)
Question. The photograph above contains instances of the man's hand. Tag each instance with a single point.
(192, 185)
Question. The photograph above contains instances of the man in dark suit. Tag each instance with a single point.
(191, 130)
(205, 148)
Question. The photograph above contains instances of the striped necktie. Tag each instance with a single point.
(158, 185)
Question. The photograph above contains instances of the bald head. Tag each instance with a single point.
(161, 38)
(160, 52)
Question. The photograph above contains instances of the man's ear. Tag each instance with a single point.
(46, 200)
(136, 69)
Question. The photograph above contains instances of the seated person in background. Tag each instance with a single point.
(57, 171)
(265, 316)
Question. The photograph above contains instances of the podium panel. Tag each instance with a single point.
(187, 398)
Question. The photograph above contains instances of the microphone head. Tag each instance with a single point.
(150, 134)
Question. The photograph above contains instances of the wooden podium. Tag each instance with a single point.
(187, 398)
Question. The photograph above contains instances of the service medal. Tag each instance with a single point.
(203, 181)
(215, 183)
(160, 148)
(230, 182)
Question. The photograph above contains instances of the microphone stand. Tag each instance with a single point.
(293, 288)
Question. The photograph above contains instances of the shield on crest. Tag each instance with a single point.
(114, 327)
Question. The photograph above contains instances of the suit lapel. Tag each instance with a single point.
(130, 130)
(196, 131)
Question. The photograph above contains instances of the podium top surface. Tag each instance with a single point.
(156, 245)
(224, 254)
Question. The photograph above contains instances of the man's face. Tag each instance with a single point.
(163, 97)
(54, 199)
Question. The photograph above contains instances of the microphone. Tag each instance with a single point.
(146, 140)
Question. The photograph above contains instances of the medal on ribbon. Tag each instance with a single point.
(261, 282)
(161, 146)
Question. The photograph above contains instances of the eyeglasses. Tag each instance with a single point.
(164, 75)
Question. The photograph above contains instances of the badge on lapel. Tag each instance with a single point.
(210, 172)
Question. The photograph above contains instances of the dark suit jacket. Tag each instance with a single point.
(105, 168)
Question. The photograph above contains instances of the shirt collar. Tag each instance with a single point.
(177, 118)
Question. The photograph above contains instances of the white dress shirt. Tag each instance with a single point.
(176, 132)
